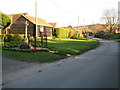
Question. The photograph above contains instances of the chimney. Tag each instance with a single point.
(26, 14)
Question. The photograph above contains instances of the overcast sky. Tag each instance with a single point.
(64, 12)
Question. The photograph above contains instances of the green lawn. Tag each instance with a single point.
(62, 46)
(72, 46)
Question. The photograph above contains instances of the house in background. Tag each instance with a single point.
(18, 21)
(72, 31)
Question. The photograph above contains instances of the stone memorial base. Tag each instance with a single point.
(26, 45)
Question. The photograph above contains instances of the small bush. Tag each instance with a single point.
(17, 37)
(12, 40)
(2, 38)
(8, 38)
(100, 34)
(61, 32)
(76, 35)
(12, 37)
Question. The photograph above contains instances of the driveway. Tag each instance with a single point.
(10, 66)
(97, 68)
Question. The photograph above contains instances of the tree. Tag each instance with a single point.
(110, 18)
(4, 21)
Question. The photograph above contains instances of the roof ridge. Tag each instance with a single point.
(40, 21)
(20, 14)
(30, 18)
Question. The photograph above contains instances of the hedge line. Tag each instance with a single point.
(64, 33)
(61, 32)
(12, 37)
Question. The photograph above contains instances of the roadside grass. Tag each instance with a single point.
(112, 37)
(61, 46)
(35, 56)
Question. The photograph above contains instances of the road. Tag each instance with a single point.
(97, 68)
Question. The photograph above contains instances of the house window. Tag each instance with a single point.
(41, 29)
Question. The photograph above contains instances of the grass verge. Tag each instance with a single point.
(35, 56)
(61, 46)
(112, 37)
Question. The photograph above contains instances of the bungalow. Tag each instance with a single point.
(54, 25)
(18, 24)
(73, 30)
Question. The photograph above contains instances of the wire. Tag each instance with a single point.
(57, 5)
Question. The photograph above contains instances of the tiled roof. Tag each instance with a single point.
(71, 28)
(14, 18)
(40, 21)
(53, 24)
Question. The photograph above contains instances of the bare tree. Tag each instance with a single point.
(110, 19)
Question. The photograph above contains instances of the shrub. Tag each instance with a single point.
(12, 37)
(8, 38)
(2, 38)
(72, 33)
(76, 35)
(31, 39)
(12, 40)
(100, 34)
(61, 32)
(17, 37)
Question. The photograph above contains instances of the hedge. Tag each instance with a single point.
(12, 40)
(12, 37)
(61, 32)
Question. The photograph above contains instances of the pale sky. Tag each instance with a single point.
(64, 12)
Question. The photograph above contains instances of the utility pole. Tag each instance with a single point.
(78, 27)
(84, 25)
(36, 1)
(36, 9)
(86, 32)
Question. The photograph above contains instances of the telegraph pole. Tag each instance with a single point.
(36, 9)
(78, 26)
(36, 1)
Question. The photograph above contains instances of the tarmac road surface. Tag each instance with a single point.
(97, 68)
